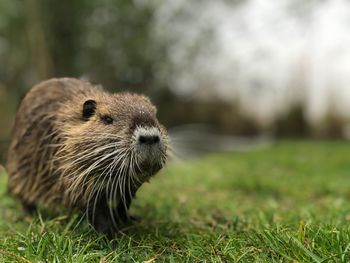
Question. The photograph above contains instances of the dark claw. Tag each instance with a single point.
(134, 219)
(28, 208)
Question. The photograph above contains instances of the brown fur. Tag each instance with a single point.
(50, 136)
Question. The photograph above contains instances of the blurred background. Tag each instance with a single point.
(244, 67)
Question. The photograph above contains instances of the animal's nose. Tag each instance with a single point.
(149, 139)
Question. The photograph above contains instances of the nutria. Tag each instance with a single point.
(77, 146)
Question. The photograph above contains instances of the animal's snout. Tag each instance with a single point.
(149, 139)
(148, 136)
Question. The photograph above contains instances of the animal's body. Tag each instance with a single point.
(75, 145)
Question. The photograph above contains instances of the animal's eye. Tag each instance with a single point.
(107, 119)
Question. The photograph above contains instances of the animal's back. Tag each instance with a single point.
(30, 167)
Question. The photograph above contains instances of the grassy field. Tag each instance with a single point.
(286, 203)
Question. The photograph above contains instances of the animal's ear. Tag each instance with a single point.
(89, 109)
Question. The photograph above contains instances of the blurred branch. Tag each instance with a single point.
(40, 56)
(3, 151)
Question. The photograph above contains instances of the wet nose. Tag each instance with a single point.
(149, 139)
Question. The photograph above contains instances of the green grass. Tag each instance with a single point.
(290, 202)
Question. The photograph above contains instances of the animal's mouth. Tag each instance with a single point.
(150, 158)
(150, 168)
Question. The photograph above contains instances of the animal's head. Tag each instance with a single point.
(112, 140)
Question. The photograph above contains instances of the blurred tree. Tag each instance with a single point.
(13, 44)
(106, 41)
(64, 27)
(41, 60)
(116, 48)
